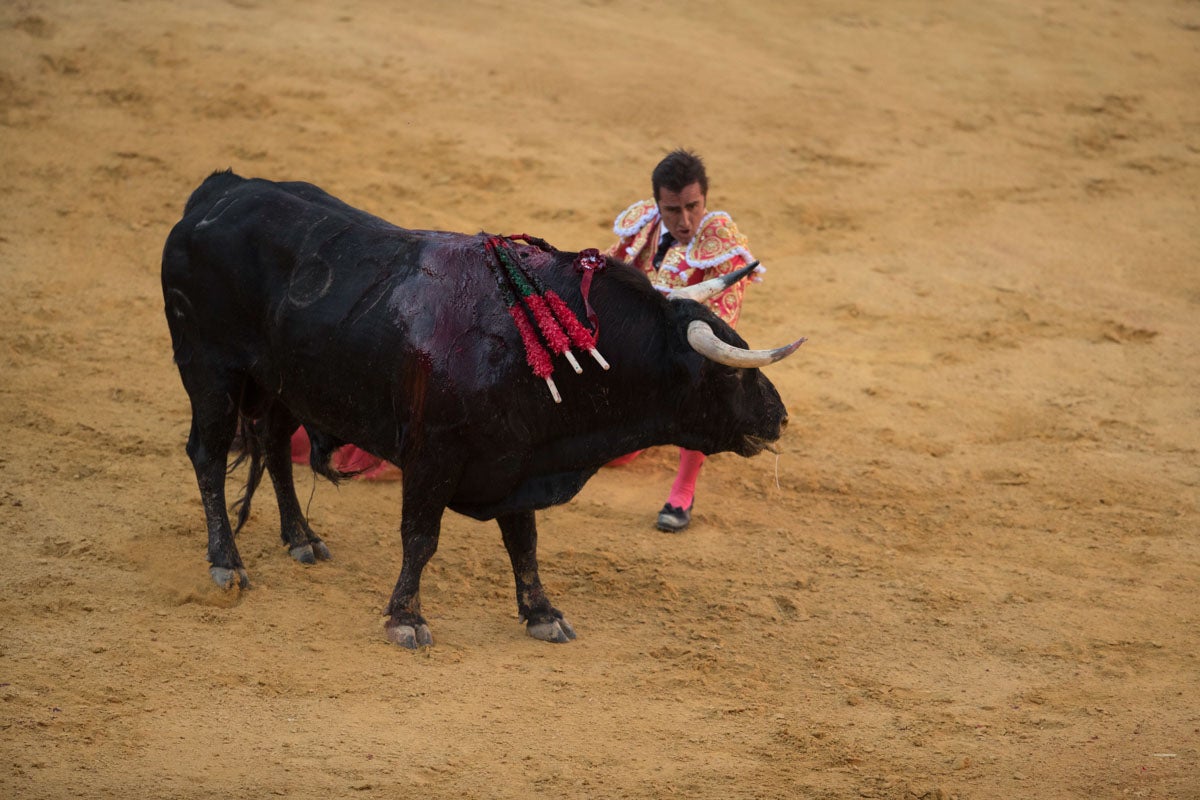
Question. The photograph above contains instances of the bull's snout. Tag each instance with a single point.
(753, 445)
(783, 423)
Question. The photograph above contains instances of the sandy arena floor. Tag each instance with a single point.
(972, 572)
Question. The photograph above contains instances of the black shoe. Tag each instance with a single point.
(673, 519)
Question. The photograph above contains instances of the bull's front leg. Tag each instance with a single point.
(544, 621)
(420, 525)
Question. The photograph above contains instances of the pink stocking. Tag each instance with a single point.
(683, 491)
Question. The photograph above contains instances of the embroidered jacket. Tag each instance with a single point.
(716, 249)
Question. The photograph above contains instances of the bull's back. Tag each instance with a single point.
(250, 256)
(333, 310)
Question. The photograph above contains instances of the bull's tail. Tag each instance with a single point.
(249, 435)
(250, 446)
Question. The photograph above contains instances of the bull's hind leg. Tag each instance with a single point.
(303, 545)
(544, 621)
(214, 422)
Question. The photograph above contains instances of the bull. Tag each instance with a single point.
(288, 307)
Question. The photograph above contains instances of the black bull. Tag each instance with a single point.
(287, 307)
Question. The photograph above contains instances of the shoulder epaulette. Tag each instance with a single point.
(634, 218)
(716, 241)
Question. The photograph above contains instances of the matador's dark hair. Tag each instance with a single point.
(681, 168)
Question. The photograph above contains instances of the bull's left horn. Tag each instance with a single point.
(702, 339)
(711, 287)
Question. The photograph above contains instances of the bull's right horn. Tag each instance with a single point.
(702, 339)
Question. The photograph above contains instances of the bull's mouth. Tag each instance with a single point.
(753, 445)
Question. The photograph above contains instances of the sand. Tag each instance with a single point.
(972, 572)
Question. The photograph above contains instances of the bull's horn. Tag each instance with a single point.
(702, 339)
(711, 287)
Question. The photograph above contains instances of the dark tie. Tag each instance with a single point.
(663, 246)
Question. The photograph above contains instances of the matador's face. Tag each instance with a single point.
(682, 211)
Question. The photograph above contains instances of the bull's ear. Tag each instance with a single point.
(702, 339)
(711, 287)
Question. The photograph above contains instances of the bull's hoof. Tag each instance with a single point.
(320, 550)
(224, 577)
(409, 637)
(303, 553)
(558, 631)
